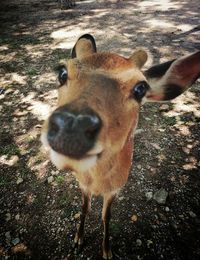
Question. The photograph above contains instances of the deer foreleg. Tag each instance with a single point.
(86, 204)
(106, 215)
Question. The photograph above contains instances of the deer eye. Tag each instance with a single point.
(62, 76)
(140, 90)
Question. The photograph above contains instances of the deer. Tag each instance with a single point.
(91, 131)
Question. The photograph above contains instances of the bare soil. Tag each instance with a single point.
(39, 205)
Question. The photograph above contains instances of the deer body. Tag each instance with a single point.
(91, 132)
(116, 168)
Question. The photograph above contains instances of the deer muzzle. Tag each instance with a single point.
(73, 134)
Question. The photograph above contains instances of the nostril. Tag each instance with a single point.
(56, 123)
(54, 129)
(91, 133)
(61, 121)
(90, 124)
(93, 128)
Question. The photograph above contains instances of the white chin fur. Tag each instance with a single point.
(62, 162)
(44, 141)
(97, 149)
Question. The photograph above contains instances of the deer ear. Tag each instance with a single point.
(169, 80)
(139, 57)
(84, 46)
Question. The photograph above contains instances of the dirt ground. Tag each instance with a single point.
(39, 205)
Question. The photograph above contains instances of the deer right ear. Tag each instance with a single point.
(84, 46)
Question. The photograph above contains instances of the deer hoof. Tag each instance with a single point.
(78, 244)
(107, 254)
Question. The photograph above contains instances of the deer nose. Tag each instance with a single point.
(73, 134)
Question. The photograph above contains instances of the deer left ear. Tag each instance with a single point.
(139, 57)
(170, 79)
(84, 46)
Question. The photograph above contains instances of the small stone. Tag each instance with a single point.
(139, 131)
(155, 146)
(160, 196)
(17, 217)
(15, 241)
(161, 130)
(164, 107)
(50, 179)
(172, 179)
(8, 216)
(138, 242)
(134, 218)
(192, 214)
(13, 160)
(161, 157)
(139, 166)
(21, 231)
(19, 180)
(77, 215)
(149, 195)
(167, 209)
(186, 150)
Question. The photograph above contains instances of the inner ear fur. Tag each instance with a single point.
(84, 46)
(170, 79)
(139, 58)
